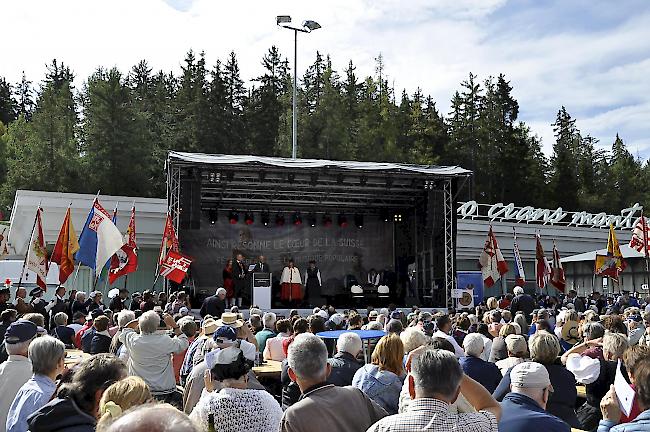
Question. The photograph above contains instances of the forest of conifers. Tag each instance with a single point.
(112, 131)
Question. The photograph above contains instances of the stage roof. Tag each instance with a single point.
(240, 182)
(208, 159)
(626, 251)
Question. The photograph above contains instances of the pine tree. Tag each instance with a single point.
(25, 97)
(43, 154)
(236, 102)
(564, 179)
(7, 103)
(625, 175)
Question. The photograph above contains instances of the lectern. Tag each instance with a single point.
(262, 290)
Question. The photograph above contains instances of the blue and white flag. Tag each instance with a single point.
(99, 240)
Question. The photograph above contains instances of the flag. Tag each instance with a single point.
(169, 240)
(491, 261)
(103, 276)
(4, 241)
(66, 246)
(613, 263)
(557, 271)
(520, 276)
(542, 268)
(175, 266)
(125, 260)
(99, 239)
(639, 240)
(37, 252)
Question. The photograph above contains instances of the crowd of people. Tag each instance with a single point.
(513, 364)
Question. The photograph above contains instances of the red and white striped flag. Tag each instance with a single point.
(640, 236)
(493, 266)
(542, 267)
(557, 271)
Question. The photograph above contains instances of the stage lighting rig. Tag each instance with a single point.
(342, 220)
(384, 216)
(233, 217)
(248, 218)
(266, 218)
(311, 219)
(297, 218)
(212, 216)
(397, 217)
(358, 220)
(279, 219)
(327, 220)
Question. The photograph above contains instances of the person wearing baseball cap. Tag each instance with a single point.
(17, 370)
(525, 405)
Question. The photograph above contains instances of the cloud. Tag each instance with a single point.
(594, 59)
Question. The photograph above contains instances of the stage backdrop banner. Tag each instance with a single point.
(337, 251)
(473, 280)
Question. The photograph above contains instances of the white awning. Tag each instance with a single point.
(218, 159)
(627, 252)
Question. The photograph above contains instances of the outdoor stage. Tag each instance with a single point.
(350, 217)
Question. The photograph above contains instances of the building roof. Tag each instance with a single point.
(627, 252)
(149, 218)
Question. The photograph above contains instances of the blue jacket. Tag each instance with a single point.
(519, 413)
(487, 374)
(563, 400)
(640, 424)
(383, 387)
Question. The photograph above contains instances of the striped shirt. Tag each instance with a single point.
(433, 415)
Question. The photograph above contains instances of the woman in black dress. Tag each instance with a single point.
(313, 282)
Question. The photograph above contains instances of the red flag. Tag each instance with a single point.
(37, 253)
(175, 266)
(66, 246)
(125, 260)
(557, 271)
(542, 269)
(491, 261)
(169, 240)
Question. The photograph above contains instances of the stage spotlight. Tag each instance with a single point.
(212, 216)
(383, 216)
(340, 178)
(248, 218)
(233, 217)
(266, 219)
(343, 220)
(389, 182)
(291, 177)
(311, 219)
(230, 176)
(398, 217)
(327, 220)
(279, 219)
(297, 218)
(358, 220)
(313, 179)
(262, 176)
(363, 180)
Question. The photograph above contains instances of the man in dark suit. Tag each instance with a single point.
(261, 266)
(58, 304)
(239, 272)
(214, 305)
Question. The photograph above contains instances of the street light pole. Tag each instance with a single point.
(294, 115)
(307, 27)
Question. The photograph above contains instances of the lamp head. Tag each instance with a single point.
(282, 19)
(311, 25)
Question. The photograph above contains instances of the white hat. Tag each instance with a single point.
(518, 290)
(323, 314)
(337, 318)
(529, 375)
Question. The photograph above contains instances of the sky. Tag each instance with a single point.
(592, 56)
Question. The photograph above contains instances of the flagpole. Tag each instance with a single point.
(76, 273)
(31, 235)
(644, 226)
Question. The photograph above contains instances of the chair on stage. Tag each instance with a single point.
(383, 292)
